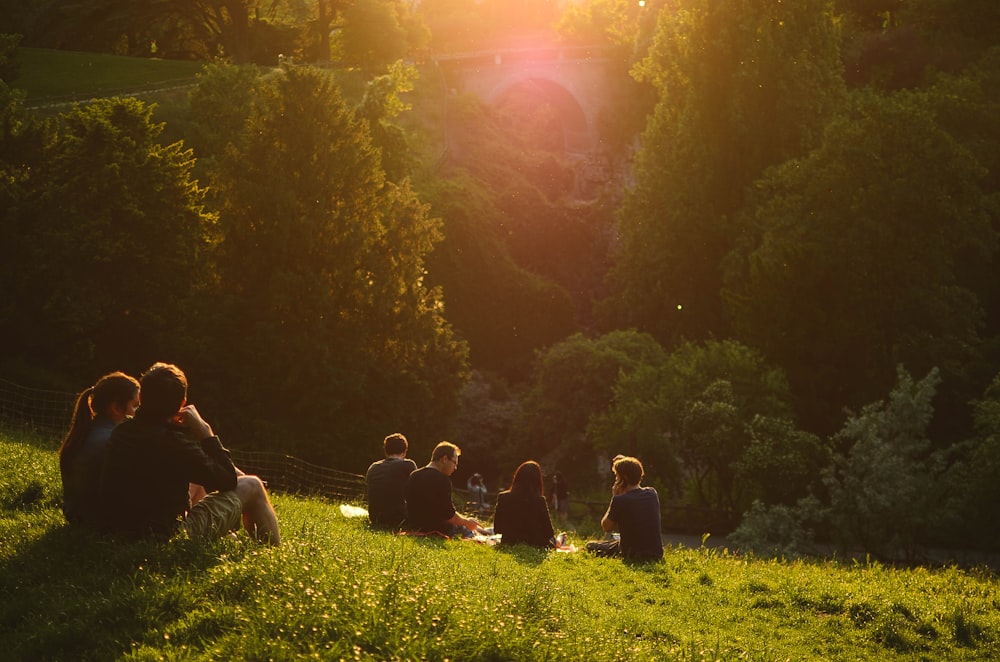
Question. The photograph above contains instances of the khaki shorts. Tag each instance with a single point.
(214, 516)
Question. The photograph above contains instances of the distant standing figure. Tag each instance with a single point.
(560, 495)
(635, 512)
(429, 508)
(385, 481)
(477, 492)
(521, 515)
(81, 457)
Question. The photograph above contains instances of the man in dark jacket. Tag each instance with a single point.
(167, 452)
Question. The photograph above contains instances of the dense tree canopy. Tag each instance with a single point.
(113, 239)
(743, 86)
(855, 269)
(326, 311)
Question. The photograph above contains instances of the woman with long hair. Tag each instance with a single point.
(522, 516)
(98, 410)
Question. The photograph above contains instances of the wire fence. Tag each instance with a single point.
(45, 412)
(48, 413)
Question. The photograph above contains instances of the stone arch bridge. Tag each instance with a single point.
(574, 80)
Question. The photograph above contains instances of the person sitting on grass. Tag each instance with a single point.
(635, 512)
(385, 481)
(154, 458)
(521, 515)
(429, 508)
(97, 411)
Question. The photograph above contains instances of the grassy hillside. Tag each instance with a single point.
(335, 590)
(56, 75)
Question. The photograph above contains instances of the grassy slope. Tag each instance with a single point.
(49, 74)
(337, 590)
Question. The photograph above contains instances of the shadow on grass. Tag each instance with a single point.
(74, 595)
(524, 554)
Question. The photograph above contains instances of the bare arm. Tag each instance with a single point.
(470, 524)
(607, 523)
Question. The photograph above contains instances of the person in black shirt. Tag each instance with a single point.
(385, 481)
(635, 512)
(521, 515)
(429, 508)
(154, 459)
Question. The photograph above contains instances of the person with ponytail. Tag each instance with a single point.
(98, 410)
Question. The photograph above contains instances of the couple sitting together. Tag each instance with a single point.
(140, 461)
(402, 497)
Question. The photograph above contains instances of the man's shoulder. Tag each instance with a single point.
(392, 465)
(134, 431)
(428, 474)
(636, 496)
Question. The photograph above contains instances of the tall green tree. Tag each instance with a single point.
(329, 331)
(218, 107)
(115, 242)
(882, 490)
(21, 146)
(866, 256)
(376, 33)
(742, 86)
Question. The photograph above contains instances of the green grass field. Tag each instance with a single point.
(50, 75)
(336, 590)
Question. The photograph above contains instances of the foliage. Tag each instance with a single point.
(455, 25)
(970, 482)
(326, 314)
(507, 231)
(893, 45)
(778, 530)
(572, 384)
(881, 489)
(694, 422)
(9, 64)
(219, 106)
(853, 269)
(489, 412)
(780, 463)
(380, 105)
(376, 34)
(742, 86)
(503, 310)
(326, 591)
(112, 238)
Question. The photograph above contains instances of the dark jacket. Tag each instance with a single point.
(147, 469)
(522, 517)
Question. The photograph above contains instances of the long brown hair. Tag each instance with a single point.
(116, 387)
(527, 478)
